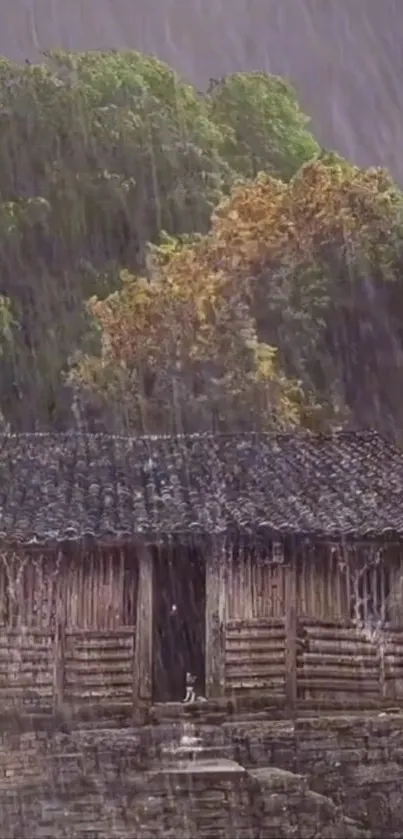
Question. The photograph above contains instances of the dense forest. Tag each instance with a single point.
(173, 260)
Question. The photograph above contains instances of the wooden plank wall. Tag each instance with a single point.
(28, 590)
(393, 662)
(255, 656)
(395, 587)
(255, 627)
(26, 670)
(98, 667)
(98, 590)
(323, 585)
(67, 628)
(337, 661)
(254, 585)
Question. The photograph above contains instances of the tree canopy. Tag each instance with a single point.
(100, 153)
(177, 260)
(262, 122)
(180, 353)
(311, 268)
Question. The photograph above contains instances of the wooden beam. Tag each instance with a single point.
(215, 619)
(143, 642)
(291, 617)
(60, 634)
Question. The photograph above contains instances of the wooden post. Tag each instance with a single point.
(143, 662)
(291, 627)
(215, 619)
(60, 635)
(59, 647)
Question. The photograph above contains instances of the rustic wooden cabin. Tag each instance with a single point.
(260, 564)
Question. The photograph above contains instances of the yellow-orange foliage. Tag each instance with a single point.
(181, 349)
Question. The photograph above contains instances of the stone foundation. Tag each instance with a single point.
(335, 777)
(355, 761)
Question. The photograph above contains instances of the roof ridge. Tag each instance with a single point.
(290, 434)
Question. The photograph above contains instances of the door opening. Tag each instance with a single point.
(179, 623)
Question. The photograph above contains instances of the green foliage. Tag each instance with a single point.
(100, 153)
(215, 300)
(269, 131)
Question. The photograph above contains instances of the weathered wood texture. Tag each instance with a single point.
(323, 590)
(394, 594)
(337, 661)
(255, 585)
(67, 628)
(142, 666)
(26, 669)
(97, 589)
(29, 588)
(291, 618)
(216, 576)
(255, 628)
(393, 662)
(92, 667)
(255, 656)
(98, 667)
(356, 582)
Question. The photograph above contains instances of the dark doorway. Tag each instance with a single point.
(179, 623)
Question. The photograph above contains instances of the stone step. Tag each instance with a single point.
(173, 754)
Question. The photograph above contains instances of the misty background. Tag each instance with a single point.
(345, 58)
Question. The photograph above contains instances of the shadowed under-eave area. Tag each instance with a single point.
(345, 58)
(56, 487)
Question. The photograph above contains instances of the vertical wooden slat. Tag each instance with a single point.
(215, 618)
(383, 607)
(60, 636)
(142, 669)
(331, 594)
(291, 617)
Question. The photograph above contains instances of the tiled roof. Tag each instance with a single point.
(55, 487)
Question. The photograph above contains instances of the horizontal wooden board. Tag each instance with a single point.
(342, 673)
(70, 648)
(96, 634)
(351, 685)
(254, 656)
(334, 633)
(98, 694)
(23, 671)
(251, 671)
(22, 689)
(342, 647)
(81, 670)
(252, 647)
(26, 662)
(335, 659)
(272, 686)
(120, 658)
(22, 632)
(390, 649)
(27, 652)
(270, 623)
(308, 620)
(256, 632)
(100, 680)
(393, 659)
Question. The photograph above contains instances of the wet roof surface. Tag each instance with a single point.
(55, 487)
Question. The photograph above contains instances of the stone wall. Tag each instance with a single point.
(335, 777)
(357, 761)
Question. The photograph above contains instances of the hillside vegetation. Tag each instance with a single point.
(172, 261)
